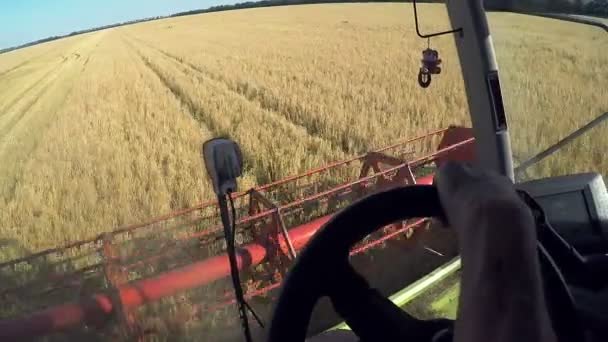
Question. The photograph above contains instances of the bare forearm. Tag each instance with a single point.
(502, 297)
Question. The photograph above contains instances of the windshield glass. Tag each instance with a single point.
(103, 130)
(103, 190)
(554, 81)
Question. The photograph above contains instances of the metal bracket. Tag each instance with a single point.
(116, 277)
(458, 30)
(283, 229)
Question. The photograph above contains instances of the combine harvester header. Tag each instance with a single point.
(182, 254)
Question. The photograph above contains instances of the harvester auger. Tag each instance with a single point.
(108, 278)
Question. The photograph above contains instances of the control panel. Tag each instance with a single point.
(576, 211)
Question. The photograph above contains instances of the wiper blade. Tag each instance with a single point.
(519, 170)
(570, 17)
(584, 20)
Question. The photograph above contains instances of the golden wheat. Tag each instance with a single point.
(105, 129)
(555, 79)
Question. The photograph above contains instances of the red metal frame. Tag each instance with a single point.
(272, 238)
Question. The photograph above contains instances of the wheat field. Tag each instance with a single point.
(104, 129)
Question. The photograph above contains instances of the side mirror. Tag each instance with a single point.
(224, 163)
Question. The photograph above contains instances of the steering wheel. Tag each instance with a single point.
(323, 265)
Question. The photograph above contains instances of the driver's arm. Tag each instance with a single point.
(501, 292)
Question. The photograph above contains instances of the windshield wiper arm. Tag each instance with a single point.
(558, 145)
(569, 17)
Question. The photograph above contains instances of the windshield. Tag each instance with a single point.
(554, 80)
(103, 190)
(103, 130)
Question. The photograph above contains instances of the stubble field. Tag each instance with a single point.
(104, 129)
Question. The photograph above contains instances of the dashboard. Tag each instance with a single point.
(575, 231)
(572, 225)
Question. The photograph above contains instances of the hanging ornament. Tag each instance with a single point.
(430, 65)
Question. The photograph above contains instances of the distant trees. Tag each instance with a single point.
(270, 3)
(560, 6)
(593, 7)
(597, 7)
(500, 5)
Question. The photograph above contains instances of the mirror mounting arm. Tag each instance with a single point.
(458, 30)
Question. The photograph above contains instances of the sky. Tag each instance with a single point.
(23, 21)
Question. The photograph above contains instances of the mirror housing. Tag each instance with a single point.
(224, 163)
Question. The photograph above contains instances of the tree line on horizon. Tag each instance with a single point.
(585, 7)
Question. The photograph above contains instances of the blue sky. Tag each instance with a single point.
(23, 21)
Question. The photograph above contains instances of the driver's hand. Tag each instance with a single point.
(483, 208)
(501, 295)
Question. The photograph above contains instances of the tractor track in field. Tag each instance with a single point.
(206, 118)
(206, 77)
(47, 81)
(261, 97)
(13, 68)
(10, 184)
(194, 110)
(19, 97)
(13, 121)
(25, 62)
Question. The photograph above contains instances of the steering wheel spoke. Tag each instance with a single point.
(375, 318)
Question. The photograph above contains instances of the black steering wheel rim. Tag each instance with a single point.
(331, 246)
